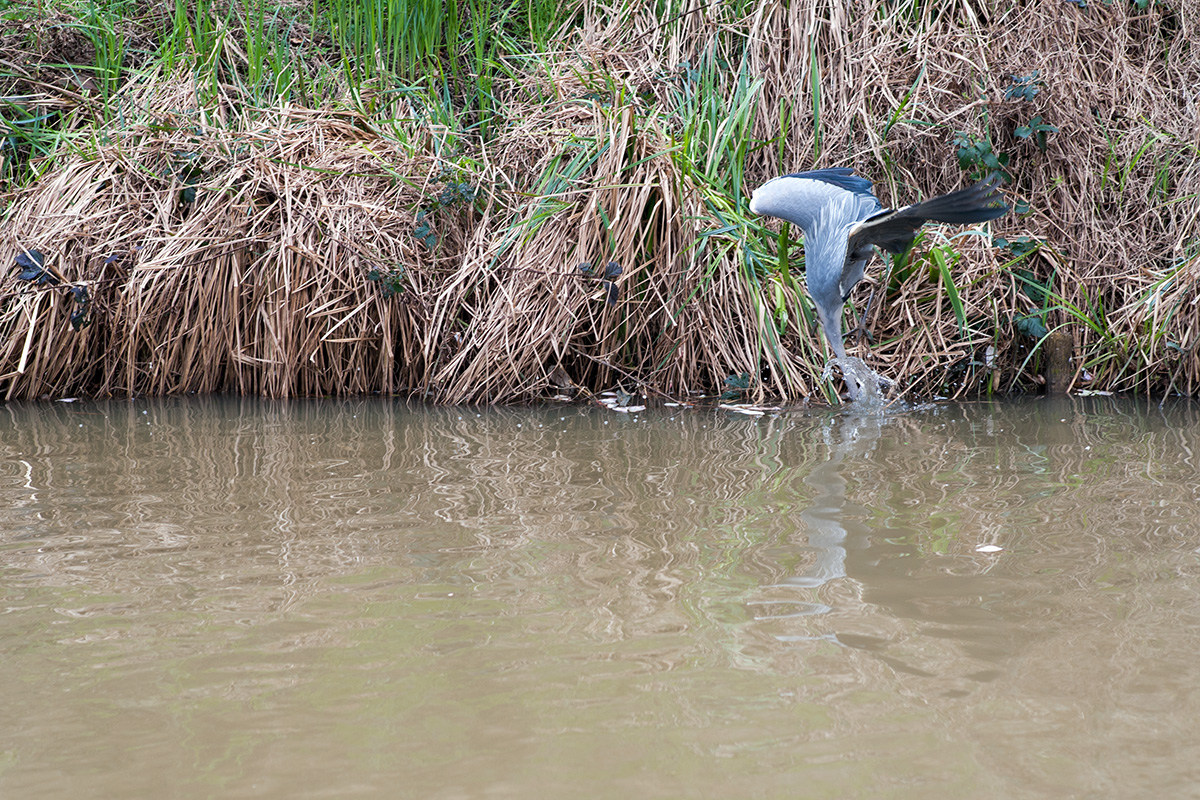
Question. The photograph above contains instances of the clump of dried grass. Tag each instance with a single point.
(260, 282)
(540, 318)
(884, 88)
(224, 257)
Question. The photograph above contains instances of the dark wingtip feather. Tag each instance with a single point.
(990, 197)
(978, 203)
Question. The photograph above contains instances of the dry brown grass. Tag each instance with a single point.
(535, 321)
(257, 285)
(261, 284)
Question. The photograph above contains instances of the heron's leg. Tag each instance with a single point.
(860, 329)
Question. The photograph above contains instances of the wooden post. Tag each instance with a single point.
(1059, 348)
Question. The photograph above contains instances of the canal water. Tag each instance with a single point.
(231, 598)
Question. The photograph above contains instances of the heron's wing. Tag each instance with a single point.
(894, 230)
(841, 177)
(804, 198)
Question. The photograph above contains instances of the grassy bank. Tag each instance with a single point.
(504, 201)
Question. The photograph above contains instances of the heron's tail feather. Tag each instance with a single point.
(977, 203)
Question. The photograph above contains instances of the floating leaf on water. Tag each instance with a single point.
(627, 409)
(619, 400)
(747, 410)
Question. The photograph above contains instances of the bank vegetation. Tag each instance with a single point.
(513, 200)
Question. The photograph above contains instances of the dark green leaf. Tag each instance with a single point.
(612, 292)
(32, 268)
(1030, 326)
(33, 258)
(741, 381)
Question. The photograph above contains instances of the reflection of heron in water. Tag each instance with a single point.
(831, 519)
(848, 436)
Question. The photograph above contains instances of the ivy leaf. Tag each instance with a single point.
(738, 386)
(32, 266)
(1030, 326)
(612, 293)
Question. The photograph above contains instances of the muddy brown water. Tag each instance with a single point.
(228, 598)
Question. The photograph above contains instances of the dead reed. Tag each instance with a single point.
(270, 255)
(597, 235)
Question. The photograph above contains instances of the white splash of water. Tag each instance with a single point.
(867, 387)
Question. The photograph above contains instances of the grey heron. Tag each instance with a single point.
(842, 219)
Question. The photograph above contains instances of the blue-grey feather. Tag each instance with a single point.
(842, 177)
